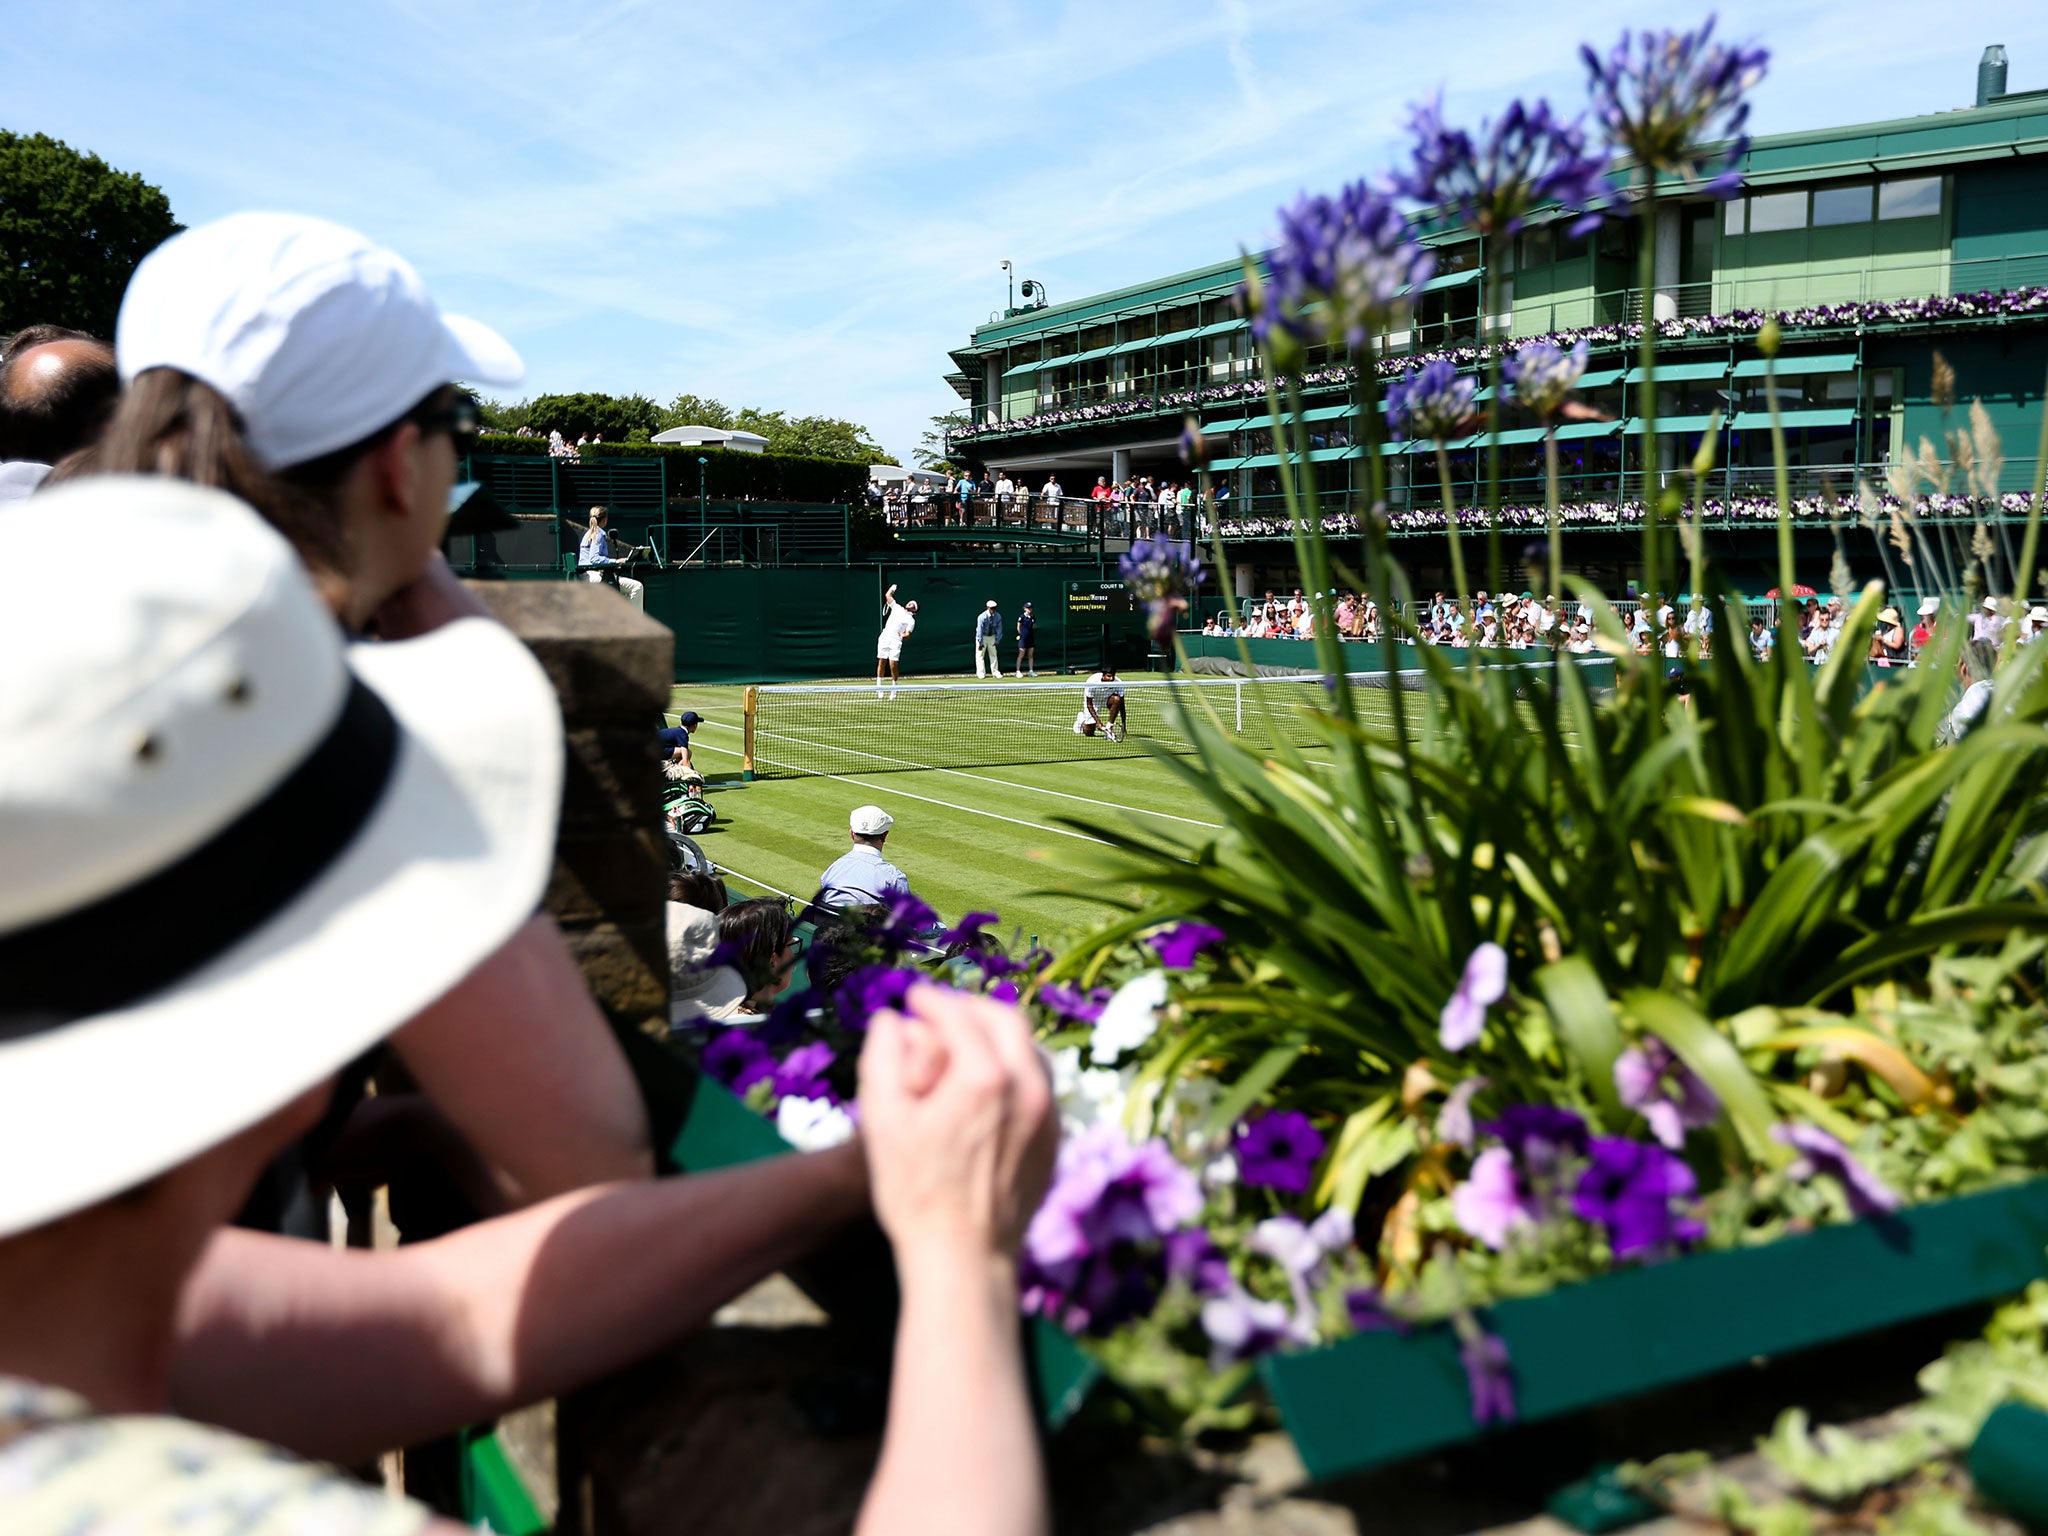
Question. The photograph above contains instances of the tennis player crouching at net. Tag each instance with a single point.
(293, 846)
(1102, 706)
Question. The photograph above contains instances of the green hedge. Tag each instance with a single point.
(728, 476)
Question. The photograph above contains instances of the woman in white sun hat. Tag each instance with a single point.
(234, 852)
(307, 370)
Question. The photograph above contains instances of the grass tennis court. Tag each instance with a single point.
(979, 839)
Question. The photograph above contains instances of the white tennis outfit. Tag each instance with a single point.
(895, 630)
(1098, 693)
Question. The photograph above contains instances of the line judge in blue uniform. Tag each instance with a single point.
(861, 877)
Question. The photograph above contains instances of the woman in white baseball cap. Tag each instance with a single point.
(233, 853)
(305, 369)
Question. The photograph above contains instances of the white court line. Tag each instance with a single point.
(961, 773)
(727, 869)
(884, 789)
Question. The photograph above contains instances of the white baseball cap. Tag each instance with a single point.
(234, 850)
(870, 821)
(1929, 606)
(991, 602)
(317, 336)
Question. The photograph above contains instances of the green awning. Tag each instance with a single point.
(1791, 367)
(1838, 416)
(1220, 326)
(1265, 419)
(1577, 429)
(1601, 379)
(1235, 424)
(1268, 460)
(1633, 427)
(1677, 373)
(1508, 438)
(1156, 341)
(1451, 280)
(1024, 368)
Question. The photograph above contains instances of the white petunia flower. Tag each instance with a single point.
(812, 1125)
(1129, 1019)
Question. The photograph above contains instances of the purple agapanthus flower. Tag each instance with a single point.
(1542, 376)
(1630, 1188)
(1161, 573)
(1530, 158)
(1454, 1121)
(968, 929)
(1493, 1203)
(1484, 983)
(1664, 1091)
(1195, 450)
(1539, 1135)
(1278, 1150)
(738, 1060)
(1355, 255)
(1489, 1374)
(801, 1074)
(1821, 1153)
(1178, 945)
(1095, 1253)
(1431, 403)
(872, 988)
(1665, 98)
(1367, 1310)
(1074, 1004)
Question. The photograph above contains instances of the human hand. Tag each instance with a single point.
(437, 597)
(956, 1116)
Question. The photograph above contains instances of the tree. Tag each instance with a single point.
(930, 452)
(72, 229)
(615, 418)
(817, 437)
(696, 411)
(503, 415)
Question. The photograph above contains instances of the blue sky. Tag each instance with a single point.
(803, 205)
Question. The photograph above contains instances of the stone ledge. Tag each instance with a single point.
(607, 659)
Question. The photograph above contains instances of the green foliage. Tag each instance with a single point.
(615, 418)
(72, 229)
(503, 416)
(815, 437)
(728, 476)
(930, 452)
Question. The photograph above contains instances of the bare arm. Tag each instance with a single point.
(342, 1353)
(519, 1059)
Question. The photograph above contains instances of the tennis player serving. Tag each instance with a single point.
(1102, 706)
(896, 628)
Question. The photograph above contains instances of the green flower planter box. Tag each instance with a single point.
(1381, 1397)
(719, 1131)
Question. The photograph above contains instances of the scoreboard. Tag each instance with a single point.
(1098, 602)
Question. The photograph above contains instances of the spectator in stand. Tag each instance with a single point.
(1990, 624)
(1923, 630)
(1761, 639)
(1827, 629)
(1187, 510)
(1100, 495)
(1051, 493)
(861, 877)
(760, 939)
(57, 390)
(988, 634)
(1004, 490)
(1889, 645)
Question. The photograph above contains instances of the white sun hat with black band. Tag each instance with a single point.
(235, 850)
(316, 335)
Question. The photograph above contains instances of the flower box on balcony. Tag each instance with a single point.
(1381, 1397)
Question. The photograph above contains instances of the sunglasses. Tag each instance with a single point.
(459, 419)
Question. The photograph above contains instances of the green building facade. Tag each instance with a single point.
(1878, 246)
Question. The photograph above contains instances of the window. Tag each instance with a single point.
(1842, 205)
(1770, 211)
(1909, 197)
(1537, 247)
(1731, 215)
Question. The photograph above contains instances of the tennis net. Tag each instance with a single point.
(794, 729)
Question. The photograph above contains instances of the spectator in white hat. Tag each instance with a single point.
(291, 845)
(861, 876)
(307, 370)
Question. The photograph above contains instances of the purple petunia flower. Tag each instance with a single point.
(1241, 1327)
(1527, 159)
(1539, 1135)
(1004, 992)
(787, 1019)
(1821, 1153)
(738, 1060)
(906, 919)
(1074, 1004)
(968, 930)
(1664, 1091)
(1177, 946)
(1367, 1310)
(1484, 983)
(1355, 255)
(1278, 1150)
(872, 988)
(1629, 1188)
(1095, 1252)
(1663, 98)
(1489, 1374)
(1492, 1204)
(1543, 376)
(1192, 1256)
(1433, 402)
(801, 1074)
